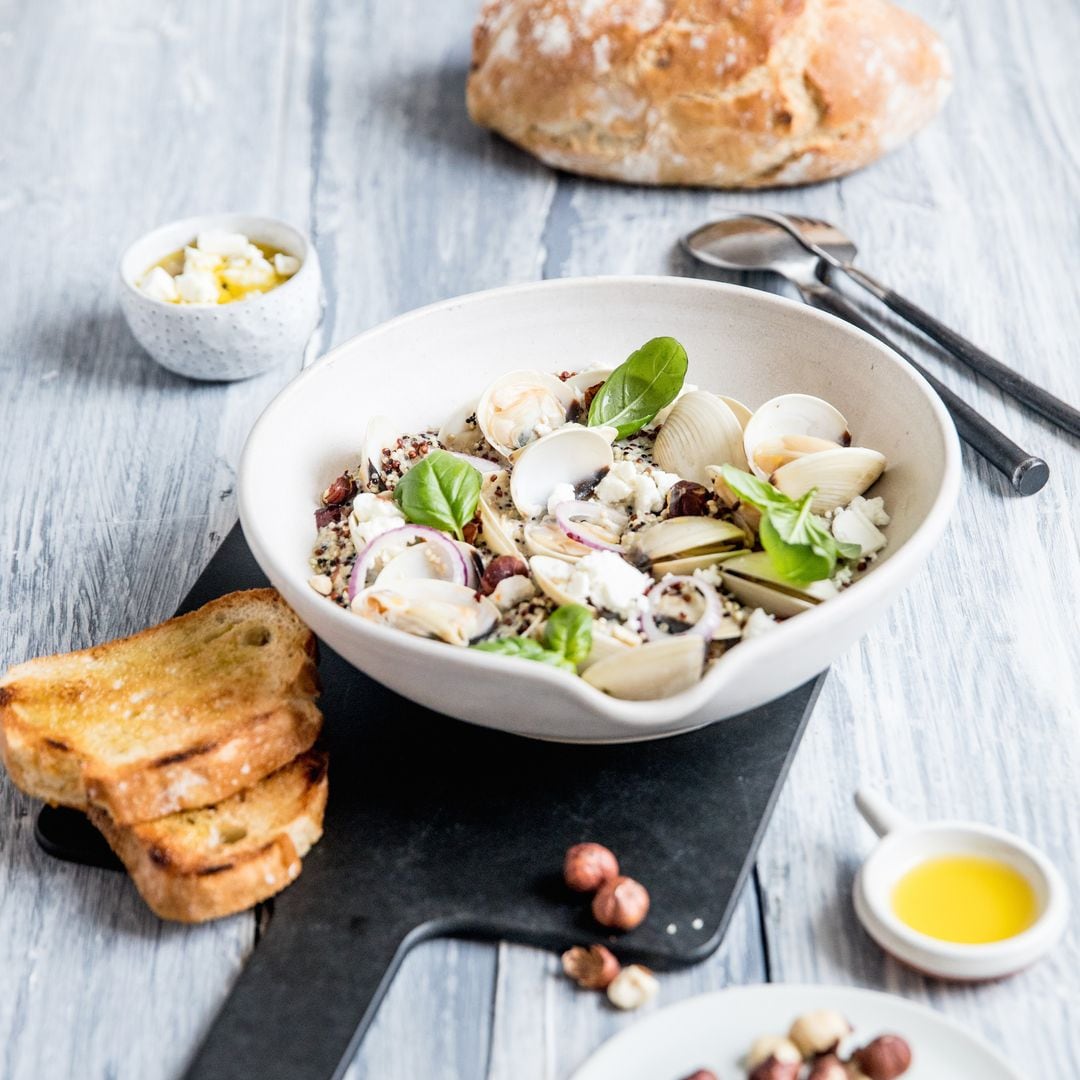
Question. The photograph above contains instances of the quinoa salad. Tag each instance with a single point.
(617, 523)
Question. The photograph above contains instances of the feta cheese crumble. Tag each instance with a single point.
(609, 582)
(218, 268)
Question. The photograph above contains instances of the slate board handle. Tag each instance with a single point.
(305, 998)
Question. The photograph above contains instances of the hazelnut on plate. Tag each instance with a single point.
(819, 1032)
(885, 1058)
(827, 1067)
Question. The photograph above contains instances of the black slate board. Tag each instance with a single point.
(438, 827)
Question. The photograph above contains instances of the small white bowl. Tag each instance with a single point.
(224, 341)
(904, 845)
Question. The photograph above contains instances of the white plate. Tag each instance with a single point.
(714, 1031)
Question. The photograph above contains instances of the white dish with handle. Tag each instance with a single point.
(748, 344)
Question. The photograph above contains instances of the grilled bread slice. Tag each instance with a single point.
(179, 716)
(201, 864)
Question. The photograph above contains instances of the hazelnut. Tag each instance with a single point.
(777, 1046)
(591, 968)
(827, 1067)
(621, 903)
(632, 987)
(819, 1032)
(500, 568)
(588, 866)
(772, 1069)
(685, 498)
(888, 1056)
(343, 488)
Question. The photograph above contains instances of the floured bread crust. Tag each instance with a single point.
(721, 93)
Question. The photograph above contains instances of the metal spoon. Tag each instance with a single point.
(829, 243)
(750, 243)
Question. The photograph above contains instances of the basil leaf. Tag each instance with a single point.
(646, 382)
(798, 543)
(441, 491)
(527, 649)
(569, 632)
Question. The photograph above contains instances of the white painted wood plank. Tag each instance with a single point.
(116, 478)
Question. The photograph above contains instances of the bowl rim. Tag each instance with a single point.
(644, 716)
(193, 224)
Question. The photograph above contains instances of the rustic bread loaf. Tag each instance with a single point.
(723, 93)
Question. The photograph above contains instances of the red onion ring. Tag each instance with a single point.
(705, 626)
(594, 512)
(452, 556)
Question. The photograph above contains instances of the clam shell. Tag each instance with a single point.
(546, 538)
(657, 669)
(586, 380)
(496, 530)
(742, 413)
(689, 563)
(681, 537)
(572, 455)
(753, 581)
(435, 609)
(792, 415)
(838, 474)
(456, 434)
(552, 577)
(700, 431)
(521, 406)
(605, 644)
(381, 434)
(414, 563)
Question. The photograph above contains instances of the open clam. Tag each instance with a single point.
(609, 639)
(752, 580)
(573, 455)
(381, 434)
(681, 545)
(799, 442)
(655, 670)
(460, 431)
(497, 530)
(701, 430)
(427, 608)
(522, 406)
(546, 538)
(553, 577)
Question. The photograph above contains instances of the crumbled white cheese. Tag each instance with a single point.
(512, 591)
(197, 287)
(760, 622)
(710, 575)
(248, 273)
(372, 516)
(855, 525)
(560, 494)
(220, 242)
(873, 509)
(286, 265)
(609, 582)
(645, 490)
(198, 261)
(159, 284)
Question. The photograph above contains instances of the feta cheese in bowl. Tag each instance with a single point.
(222, 296)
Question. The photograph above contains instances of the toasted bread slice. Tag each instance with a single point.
(179, 716)
(202, 864)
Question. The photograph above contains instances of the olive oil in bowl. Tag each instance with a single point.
(967, 899)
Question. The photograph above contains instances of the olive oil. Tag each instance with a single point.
(230, 291)
(965, 898)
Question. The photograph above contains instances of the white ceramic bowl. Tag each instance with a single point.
(743, 343)
(224, 341)
(906, 844)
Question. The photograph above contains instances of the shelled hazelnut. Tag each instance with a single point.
(592, 967)
(774, 1069)
(632, 987)
(885, 1058)
(827, 1067)
(621, 903)
(588, 866)
(819, 1032)
(776, 1046)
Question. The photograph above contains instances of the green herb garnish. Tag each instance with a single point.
(441, 491)
(567, 640)
(646, 382)
(798, 543)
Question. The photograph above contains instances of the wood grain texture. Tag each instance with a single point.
(116, 478)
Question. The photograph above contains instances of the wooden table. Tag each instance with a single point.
(117, 478)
